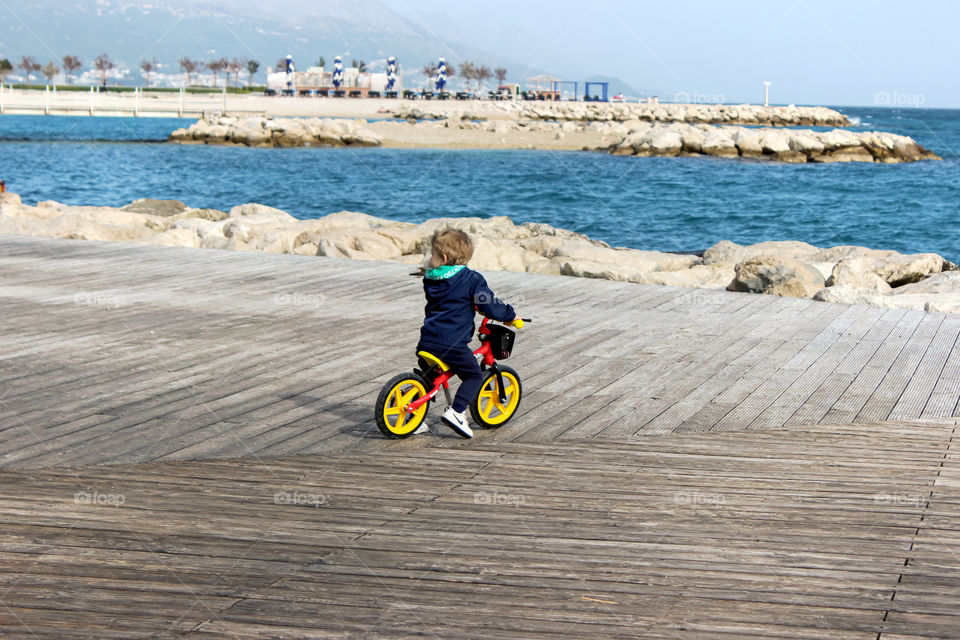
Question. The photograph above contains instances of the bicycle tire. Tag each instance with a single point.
(486, 408)
(390, 409)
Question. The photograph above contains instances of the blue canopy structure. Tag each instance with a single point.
(600, 96)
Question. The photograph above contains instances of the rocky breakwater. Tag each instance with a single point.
(846, 274)
(259, 131)
(745, 114)
(783, 145)
(855, 275)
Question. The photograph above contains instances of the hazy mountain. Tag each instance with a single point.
(168, 30)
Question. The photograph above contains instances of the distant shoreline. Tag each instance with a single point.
(146, 103)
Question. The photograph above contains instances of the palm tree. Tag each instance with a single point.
(189, 67)
(362, 67)
(103, 64)
(49, 70)
(252, 67)
(71, 64)
(501, 74)
(321, 61)
(5, 69)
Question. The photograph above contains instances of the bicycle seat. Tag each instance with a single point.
(433, 360)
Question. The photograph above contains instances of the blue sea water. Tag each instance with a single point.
(668, 204)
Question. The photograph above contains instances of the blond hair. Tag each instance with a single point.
(453, 245)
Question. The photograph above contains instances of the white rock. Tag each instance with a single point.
(749, 143)
(944, 282)
(777, 275)
(904, 269)
(847, 294)
(773, 142)
(665, 142)
(718, 143)
(176, 238)
(855, 272)
(201, 227)
(253, 213)
(805, 143)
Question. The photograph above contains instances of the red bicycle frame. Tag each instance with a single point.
(443, 378)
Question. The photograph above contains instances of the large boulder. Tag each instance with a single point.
(176, 238)
(502, 256)
(945, 282)
(776, 275)
(291, 133)
(899, 270)
(731, 252)
(633, 260)
(251, 132)
(843, 252)
(848, 294)
(156, 207)
(855, 272)
(719, 143)
(806, 143)
(377, 246)
(938, 292)
(253, 213)
(700, 276)
(773, 142)
(201, 226)
(748, 143)
(725, 252)
(693, 140)
(848, 154)
(838, 139)
(665, 142)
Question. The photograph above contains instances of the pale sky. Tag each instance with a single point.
(841, 52)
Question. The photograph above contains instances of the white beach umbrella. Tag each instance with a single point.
(442, 75)
(391, 73)
(337, 72)
(289, 69)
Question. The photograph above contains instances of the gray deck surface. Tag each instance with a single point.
(188, 450)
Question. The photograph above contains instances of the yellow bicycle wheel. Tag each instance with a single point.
(486, 408)
(393, 419)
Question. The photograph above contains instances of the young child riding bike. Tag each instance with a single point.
(453, 293)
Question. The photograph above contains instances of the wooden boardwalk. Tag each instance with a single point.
(188, 451)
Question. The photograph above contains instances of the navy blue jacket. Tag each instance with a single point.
(449, 311)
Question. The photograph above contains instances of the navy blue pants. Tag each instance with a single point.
(462, 362)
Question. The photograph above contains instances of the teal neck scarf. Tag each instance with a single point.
(444, 272)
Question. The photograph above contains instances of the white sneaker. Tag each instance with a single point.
(457, 421)
(423, 428)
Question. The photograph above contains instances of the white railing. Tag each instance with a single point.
(134, 104)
